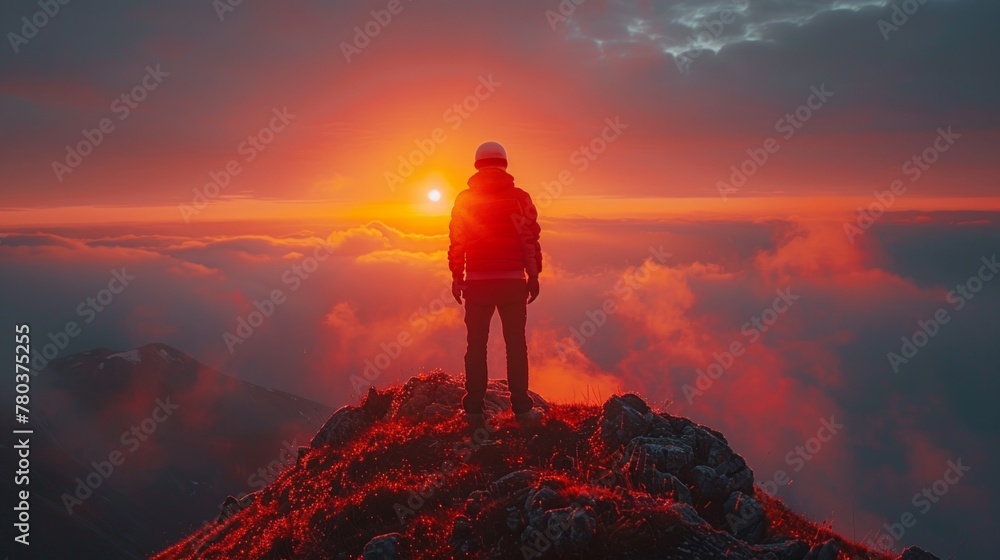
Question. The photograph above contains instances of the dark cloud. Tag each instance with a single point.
(607, 59)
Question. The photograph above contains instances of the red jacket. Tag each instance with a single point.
(494, 230)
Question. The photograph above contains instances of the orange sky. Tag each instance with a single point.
(597, 101)
(422, 215)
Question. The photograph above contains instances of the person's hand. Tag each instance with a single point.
(457, 286)
(532, 288)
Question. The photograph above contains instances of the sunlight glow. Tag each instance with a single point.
(434, 195)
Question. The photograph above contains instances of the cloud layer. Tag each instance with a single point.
(790, 323)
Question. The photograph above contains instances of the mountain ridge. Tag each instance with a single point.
(105, 450)
(402, 477)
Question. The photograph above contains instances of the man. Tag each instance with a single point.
(494, 243)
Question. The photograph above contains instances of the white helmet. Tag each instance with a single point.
(491, 154)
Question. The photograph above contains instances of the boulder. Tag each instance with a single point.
(788, 549)
(475, 503)
(666, 454)
(688, 514)
(826, 551)
(513, 483)
(636, 402)
(437, 394)
(384, 547)
(916, 553)
(745, 517)
(349, 421)
(463, 537)
(620, 422)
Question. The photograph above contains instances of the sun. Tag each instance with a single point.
(434, 195)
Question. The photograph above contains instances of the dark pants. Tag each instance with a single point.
(482, 297)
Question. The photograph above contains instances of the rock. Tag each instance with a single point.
(916, 553)
(582, 529)
(716, 451)
(556, 527)
(745, 517)
(384, 547)
(675, 489)
(709, 486)
(787, 550)
(231, 505)
(660, 425)
(826, 551)
(376, 404)
(495, 403)
(463, 537)
(475, 503)
(688, 514)
(423, 391)
(349, 421)
(414, 406)
(543, 498)
(513, 482)
(667, 454)
(636, 402)
(515, 519)
(564, 530)
(829, 551)
(642, 473)
(437, 410)
(540, 501)
(437, 394)
(741, 480)
(620, 422)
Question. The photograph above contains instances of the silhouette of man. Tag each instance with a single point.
(494, 242)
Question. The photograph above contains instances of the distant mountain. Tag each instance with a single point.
(402, 477)
(134, 449)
